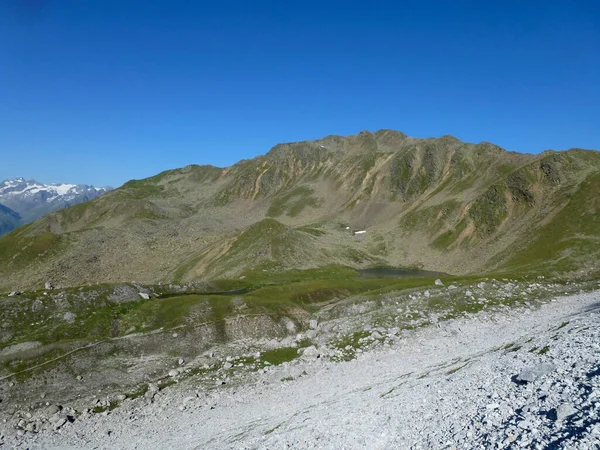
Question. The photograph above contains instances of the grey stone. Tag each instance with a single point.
(144, 295)
(69, 317)
(53, 409)
(48, 286)
(313, 324)
(438, 282)
(14, 294)
(310, 352)
(227, 366)
(564, 410)
(37, 306)
(289, 324)
(122, 293)
(59, 423)
(173, 373)
(531, 374)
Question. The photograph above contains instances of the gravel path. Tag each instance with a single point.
(461, 384)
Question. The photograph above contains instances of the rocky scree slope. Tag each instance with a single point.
(526, 377)
(23, 201)
(439, 204)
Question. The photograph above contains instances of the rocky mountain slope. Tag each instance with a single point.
(29, 200)
(521, 377)
(439, 204)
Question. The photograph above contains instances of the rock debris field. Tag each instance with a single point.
(522, 378)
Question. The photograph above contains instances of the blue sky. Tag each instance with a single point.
(105, 91)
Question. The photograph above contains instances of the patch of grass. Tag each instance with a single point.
(353, 342)
(140, 392)
(513, 349)
(490, 210)
(18, 249)
(569, 241)
(112, 405)
(272, 430)
(148, 187)
(446, 239)
(279, 355)
(312, 230)
(293, 204)
(386, 393)
(544, 350)
(456, 369)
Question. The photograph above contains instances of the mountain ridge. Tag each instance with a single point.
(435, 203)
(30, 199)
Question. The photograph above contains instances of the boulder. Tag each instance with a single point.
(52, 410)
(531, 374)
(310, 352)
(564, 411)
(438, 282)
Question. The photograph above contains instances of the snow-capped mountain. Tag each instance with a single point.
(30, 199)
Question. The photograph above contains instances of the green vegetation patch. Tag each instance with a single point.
(293, 204)
(17, 249)
(569, 241)
(279, 355)
(490, 210)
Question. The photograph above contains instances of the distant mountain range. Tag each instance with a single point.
(23, 201)
(436, 203)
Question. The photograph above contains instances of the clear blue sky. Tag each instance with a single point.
(102, 91)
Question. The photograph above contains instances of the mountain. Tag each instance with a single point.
(9, 219)
(30, 200)
(437, 203)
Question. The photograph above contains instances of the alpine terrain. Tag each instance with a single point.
(23, 201)
(439, 204)
(370, 291)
